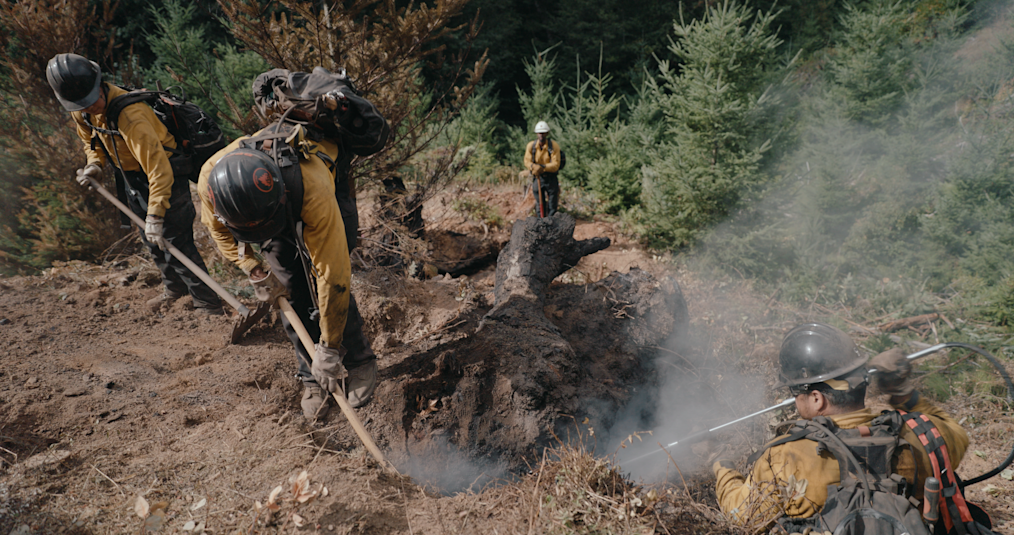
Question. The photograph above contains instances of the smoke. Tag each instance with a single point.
(438, 464)
(696, 386)
(847, 219)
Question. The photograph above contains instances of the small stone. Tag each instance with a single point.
(74, 392)
(153, 394)
(110, 385)
(5, 321)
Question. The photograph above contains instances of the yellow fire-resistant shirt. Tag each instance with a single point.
(794, 476)
(142, 147)
(542, 156)
(323, 233)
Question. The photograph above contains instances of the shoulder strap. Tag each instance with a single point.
(116, 105)
(952, 501)
(795, 434)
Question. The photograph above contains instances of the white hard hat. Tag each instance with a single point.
(542, 127)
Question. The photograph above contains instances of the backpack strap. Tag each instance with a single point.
(952, 501)
(791, 437)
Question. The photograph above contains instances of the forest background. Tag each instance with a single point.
(855, 156)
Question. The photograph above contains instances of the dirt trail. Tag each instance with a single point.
(101, 401)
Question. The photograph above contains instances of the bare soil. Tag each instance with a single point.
(102, 401)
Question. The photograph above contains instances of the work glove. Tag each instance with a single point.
(893, 371)
(327, 366)
(268, 288)
(153, 230)
(90, 171)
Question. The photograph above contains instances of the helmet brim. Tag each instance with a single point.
(91, 98)
(268, 229)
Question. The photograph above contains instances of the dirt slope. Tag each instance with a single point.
(101, 401)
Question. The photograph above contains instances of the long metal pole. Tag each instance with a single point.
(364, 435)
(203, 275)
(701, 434)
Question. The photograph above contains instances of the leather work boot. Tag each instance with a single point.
(167, 298)
(361, 382)
(314, 403)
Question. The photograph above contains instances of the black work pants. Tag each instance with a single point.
(283, 257)
(178, 230)
(547, 194)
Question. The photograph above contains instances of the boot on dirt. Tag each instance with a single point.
(213, 311)
(314, 403)
(167, 298)
(362, 381)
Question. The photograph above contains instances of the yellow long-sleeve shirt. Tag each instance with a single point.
(323, 233)
(142, 147)
(758, 499)
(542, 156)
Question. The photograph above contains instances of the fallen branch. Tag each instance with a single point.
(903, 323)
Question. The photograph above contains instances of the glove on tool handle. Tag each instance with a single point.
(194, 268)
(304, 337)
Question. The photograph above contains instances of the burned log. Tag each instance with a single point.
(543, 355)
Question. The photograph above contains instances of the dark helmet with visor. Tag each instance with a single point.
(248, 194)
(815, 353)
(75, 79)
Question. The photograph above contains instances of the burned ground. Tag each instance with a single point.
(101, 402)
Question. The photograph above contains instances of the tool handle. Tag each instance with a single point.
(203, 275)
(304, 337)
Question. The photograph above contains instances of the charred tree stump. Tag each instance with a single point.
(541, 352)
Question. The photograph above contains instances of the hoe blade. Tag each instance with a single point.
(243, 323)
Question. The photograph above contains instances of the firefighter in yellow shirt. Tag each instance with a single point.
(138, 153)
(826, 373)
(246, 199)
(542, 163)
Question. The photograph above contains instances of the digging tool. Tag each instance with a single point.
(246, 317)
(538, 187)
(701, 435)
(304, 337)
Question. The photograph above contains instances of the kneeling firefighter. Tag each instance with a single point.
(843, 468)
(278, 189)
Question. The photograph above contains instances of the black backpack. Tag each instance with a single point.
(197, 135)
(563, 155)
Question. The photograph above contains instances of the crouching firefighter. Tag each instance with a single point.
(281, 195)
(844, 469)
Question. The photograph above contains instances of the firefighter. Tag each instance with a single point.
(542, 163)
(827, 374)
(138, 151)
(243, 201)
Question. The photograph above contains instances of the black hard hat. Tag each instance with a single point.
(814, 352)
(75, 80)
(246, 189)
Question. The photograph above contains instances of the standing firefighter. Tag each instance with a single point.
(139, 150)
(543, 160)
(842, 464)
(304, 219)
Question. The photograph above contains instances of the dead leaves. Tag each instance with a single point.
(153, 516)
(301, 492)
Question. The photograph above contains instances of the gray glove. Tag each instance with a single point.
(90, 171)
(269, 289)
(327, 366)
(893, 371)
(153, 230)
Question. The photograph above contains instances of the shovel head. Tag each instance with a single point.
(243, 323)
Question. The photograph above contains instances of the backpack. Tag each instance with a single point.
(324, 102)
(869, 499)
(197, 135)
(563, 155)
